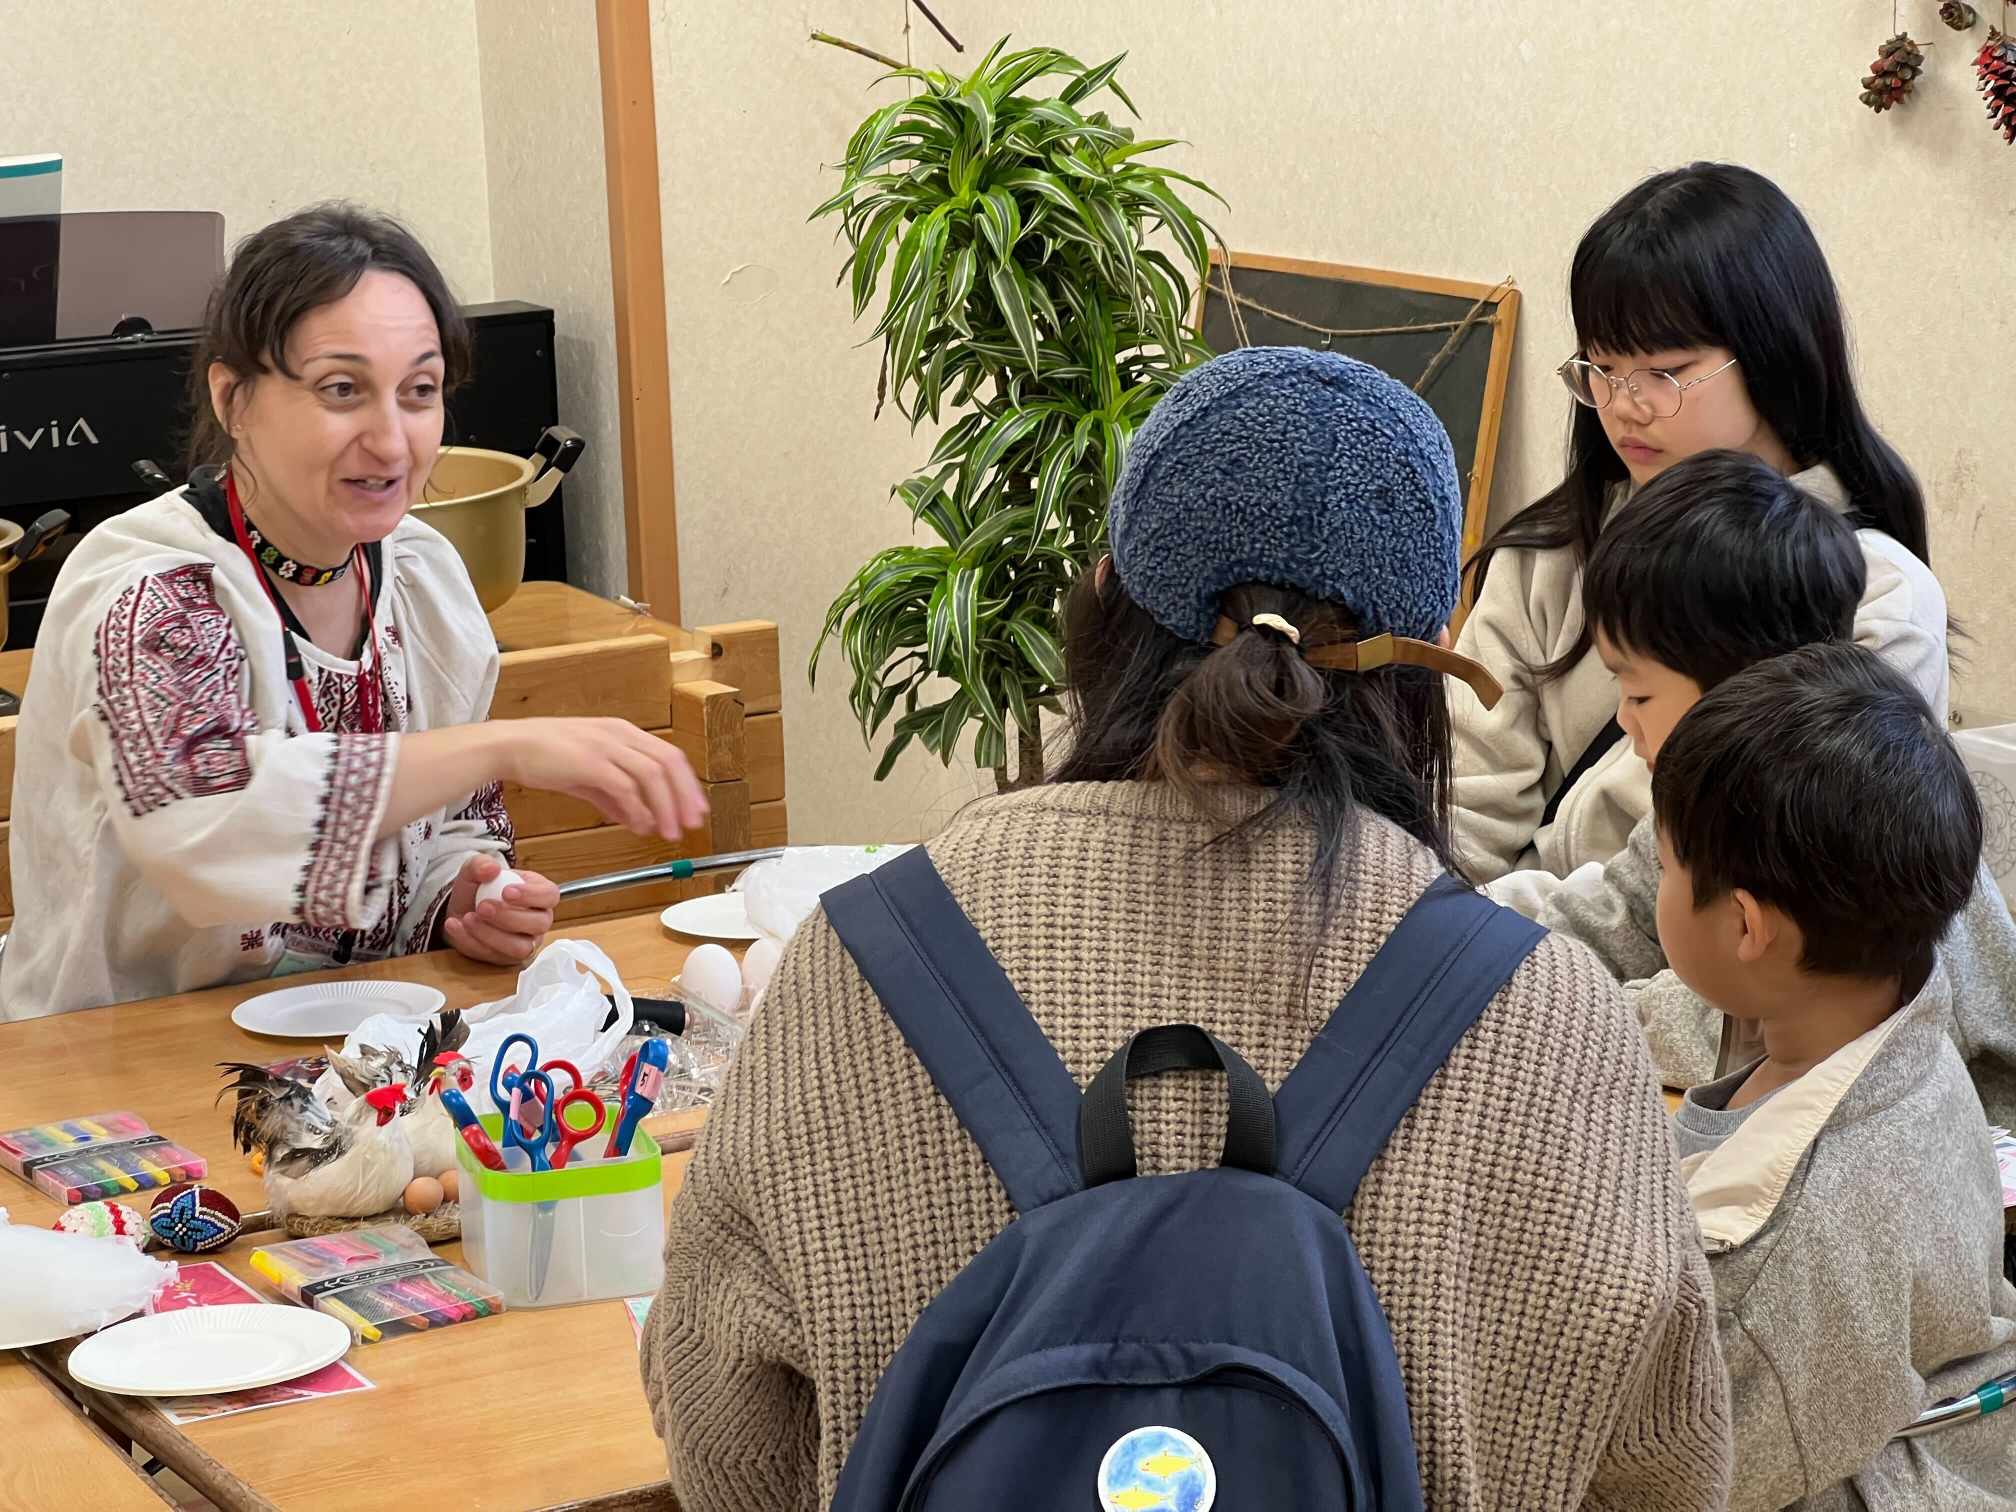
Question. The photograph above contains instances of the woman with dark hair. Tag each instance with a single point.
(254, 742)
(1705, 317)
(1254, 797)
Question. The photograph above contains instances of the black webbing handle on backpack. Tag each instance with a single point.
(1106, 1138)
(1604, 742)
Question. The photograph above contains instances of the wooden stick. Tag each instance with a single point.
(940, 25)
(855, 47)
(637, 286)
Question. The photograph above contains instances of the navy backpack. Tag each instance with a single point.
(1134, 1344)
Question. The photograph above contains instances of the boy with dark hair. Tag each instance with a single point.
(1818, 833)
(1716, 565)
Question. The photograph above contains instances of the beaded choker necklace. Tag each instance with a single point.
(286, 568)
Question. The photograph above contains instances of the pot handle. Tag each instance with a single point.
(35, 540)
(558, 450)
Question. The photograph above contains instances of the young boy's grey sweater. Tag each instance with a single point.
(1613, 909)
(1858, 1279)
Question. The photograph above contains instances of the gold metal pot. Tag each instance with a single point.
(478, 499)
(18, 546)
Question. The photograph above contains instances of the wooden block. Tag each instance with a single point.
(534, 812)
(14, 667)
(611, 848)
(707, 726)
(556, 614)
(769, 824)
(745, 657)
(763, 741)
(7, 764)
(6, 874)
(618, 679)
(730, 816)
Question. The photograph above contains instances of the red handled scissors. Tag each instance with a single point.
(565, 1133)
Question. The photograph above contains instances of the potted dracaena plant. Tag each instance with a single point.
(1031, 299)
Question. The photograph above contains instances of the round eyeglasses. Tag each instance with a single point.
(1654, 388)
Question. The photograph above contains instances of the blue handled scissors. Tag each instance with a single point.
(524, 1095)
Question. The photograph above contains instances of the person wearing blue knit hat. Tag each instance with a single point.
(1301, 470)
(1252, 797)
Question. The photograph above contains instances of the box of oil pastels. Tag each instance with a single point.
(105, 1156)
(379, 1281)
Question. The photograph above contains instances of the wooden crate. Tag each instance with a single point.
(715, 692)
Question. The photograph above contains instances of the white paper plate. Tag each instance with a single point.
(717, 916)
(330, 1010)
(199, 1351)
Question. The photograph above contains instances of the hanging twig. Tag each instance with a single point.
(1458, 329)
(855, 47)
(957, 46)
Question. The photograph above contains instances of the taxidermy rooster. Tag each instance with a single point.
(429, 1127)
(319, 1162)
(386, 1066)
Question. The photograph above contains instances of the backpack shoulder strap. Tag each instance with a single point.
(1601, 744)
(1391, 1033)
(963, 1019)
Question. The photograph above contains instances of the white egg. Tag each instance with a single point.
(759, 964)
(493, 890)
(712, 977)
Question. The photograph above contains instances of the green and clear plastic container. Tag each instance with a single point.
(591, 1231)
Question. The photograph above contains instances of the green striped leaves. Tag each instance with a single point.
(1035, 271)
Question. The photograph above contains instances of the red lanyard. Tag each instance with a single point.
(370, 673)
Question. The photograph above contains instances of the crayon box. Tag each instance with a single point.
(106, 1157)
(379, 1281)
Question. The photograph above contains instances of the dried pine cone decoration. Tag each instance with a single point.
(1996, 69)
(1898, 64)
(1959, 16)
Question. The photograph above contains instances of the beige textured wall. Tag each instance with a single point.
(549, 240)
(256, 107)
(1448, 140)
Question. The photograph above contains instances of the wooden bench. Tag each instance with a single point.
(715, 692)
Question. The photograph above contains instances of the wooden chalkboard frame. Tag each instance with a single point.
(1503, 318)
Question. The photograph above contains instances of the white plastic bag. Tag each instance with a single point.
(559, 1002)
(1990, 755)
(60, 1285)
(781, 893)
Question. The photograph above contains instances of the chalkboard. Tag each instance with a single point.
(1471, 364)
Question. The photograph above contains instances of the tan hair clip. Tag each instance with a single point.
(1377, 651)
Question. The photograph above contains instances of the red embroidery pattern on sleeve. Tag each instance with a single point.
(170, 694)
(344, 830)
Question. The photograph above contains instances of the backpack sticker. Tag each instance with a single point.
(1157, 1470)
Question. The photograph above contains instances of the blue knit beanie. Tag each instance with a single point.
(1300, 469)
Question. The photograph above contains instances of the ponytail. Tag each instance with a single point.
(1330, 746)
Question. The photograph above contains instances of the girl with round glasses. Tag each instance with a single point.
(1706, 318)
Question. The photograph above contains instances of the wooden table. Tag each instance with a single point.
(55, 1458)
(537, 1408)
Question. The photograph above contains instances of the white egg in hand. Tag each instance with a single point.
(712, 978)
(493, 890)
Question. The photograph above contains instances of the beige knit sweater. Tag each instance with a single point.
(1526, 1229)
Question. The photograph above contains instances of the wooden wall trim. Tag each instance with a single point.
(637, 278)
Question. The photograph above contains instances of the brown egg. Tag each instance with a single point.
(423, 1194)
(451, 1184)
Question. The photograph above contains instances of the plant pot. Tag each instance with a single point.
(18, 546)
(478, 499)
